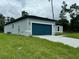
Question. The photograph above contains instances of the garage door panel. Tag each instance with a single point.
(41, 29)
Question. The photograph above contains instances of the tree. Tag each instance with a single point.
(63, 21)
(2, 18)
(75, 24)
(74, 14)
(12, 19)
(74, 10)
(64, 10)
(24, 13)
(9, 19)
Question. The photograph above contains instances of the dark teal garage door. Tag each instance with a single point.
(41, 29)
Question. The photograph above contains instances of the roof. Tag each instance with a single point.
(30, 16)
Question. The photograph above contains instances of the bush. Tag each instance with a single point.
(58, 33)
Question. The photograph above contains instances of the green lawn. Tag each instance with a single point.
(72, 35)
(21, 47)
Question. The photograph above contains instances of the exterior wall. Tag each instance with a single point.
(24, 27)
(20, 28)
(60, 29)
(30, 21)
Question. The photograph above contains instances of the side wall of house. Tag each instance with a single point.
(59, 29)
(19, 27)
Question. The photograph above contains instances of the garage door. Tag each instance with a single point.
(41, 29)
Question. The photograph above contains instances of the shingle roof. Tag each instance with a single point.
(30, 16)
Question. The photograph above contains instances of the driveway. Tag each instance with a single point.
(67, 41)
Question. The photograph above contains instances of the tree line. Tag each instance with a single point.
(73, 11)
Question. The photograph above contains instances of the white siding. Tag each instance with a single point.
(25, 26)
(60, 29)
(19, 25)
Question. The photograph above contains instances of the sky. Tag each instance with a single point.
(42, 8)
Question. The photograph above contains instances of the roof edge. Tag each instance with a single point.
(29, 16)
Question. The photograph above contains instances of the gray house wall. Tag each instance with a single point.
(19, 27)
(59, 29)
(24, 27)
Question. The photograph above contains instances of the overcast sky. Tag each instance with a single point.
(40, 8)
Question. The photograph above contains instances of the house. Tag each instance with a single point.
(59, 29)
(31, 25)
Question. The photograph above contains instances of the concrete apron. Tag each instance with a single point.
(65, 40)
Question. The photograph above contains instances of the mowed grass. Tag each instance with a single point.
(22, 47)
(72, 35)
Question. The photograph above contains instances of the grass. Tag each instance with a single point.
(21, 47)
(72, 35)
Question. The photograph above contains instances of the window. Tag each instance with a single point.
(12, 25)
(58, 28)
